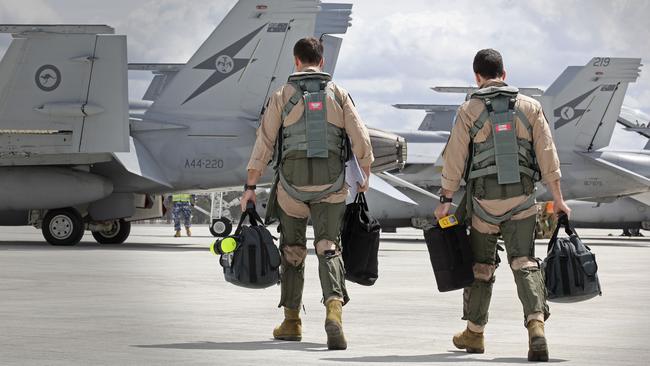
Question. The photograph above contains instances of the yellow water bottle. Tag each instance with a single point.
(223, 246)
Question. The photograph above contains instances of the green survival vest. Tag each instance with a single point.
(312, 151)
(503, 166)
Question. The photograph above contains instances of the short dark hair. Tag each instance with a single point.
(488, 63)
(309, 50)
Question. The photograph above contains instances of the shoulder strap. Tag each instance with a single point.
(295, 98)
(478, 124)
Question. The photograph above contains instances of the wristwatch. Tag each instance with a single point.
(252, 187)
(444, 199)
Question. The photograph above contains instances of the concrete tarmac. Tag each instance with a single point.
(159, 300)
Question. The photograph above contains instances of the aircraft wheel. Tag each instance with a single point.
(63, 227)
(221, 227)
(117, 234)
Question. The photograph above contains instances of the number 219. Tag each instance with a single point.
(601, 61)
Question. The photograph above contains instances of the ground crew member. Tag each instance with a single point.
(310, 121)
(182, 206)
(510, 148)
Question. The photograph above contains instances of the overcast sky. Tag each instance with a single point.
(395, 50)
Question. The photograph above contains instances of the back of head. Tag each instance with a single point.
(309, 51)
(488, 63)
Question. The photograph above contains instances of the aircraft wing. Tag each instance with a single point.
(471, 89)
(643, 198)
(634, 122)
(428, 107)
(138, 161)
(401, 183)
(381, 186)
(612, 161)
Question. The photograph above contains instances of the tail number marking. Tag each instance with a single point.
(601, 61)
(203, 164)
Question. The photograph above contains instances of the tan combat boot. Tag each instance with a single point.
(178, 234)
(537, 349)
(334, 326)
(471, 342)
(291, 327)
(188, 232)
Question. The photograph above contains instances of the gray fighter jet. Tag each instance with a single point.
(72, 159)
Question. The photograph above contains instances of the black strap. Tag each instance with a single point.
(361, 199)
(253, 217)
(511, 104)
(488, 105)
(563, 220)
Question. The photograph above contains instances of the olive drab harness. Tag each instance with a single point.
(503, 166)
(312, 135)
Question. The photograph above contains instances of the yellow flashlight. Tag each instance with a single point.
(448, 221)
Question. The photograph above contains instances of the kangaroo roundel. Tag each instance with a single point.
(47, 78)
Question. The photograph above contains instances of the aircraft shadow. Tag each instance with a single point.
(42, 245)
(163, 247)
(242, 346)
(451, 356)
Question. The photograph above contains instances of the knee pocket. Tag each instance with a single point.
(484, 271)
(324, 245)
(294, 255)
(519, 263)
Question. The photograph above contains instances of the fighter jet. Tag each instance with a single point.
(582, 106)
(73, 159)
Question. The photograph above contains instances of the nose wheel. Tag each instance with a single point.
(63, 227)
(221, 227)
(117, 233)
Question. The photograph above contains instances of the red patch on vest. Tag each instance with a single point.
(503, 127)
(315, 106)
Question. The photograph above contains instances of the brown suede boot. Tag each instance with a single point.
(537, 348)
(291, 327)
(334, 326)
(188, 232)
(471, 342)
(178, 234)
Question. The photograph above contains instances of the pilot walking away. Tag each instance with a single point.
(314, 127)
(501, 145)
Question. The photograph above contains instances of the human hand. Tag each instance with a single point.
(442, 210)
(248, 196)
(363, 188)
(560, 207)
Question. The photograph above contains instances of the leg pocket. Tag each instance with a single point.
(519, 237)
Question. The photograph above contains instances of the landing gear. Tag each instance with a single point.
(221, 227)
(632, 232)
(63, 227)
(117, 233)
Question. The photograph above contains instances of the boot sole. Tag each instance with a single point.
(335, 338)
(538, 350)
(468, 350)
(289, 338)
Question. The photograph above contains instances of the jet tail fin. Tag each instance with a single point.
(439, 117)
(63, 89)
(247, 56)
(584, 102)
